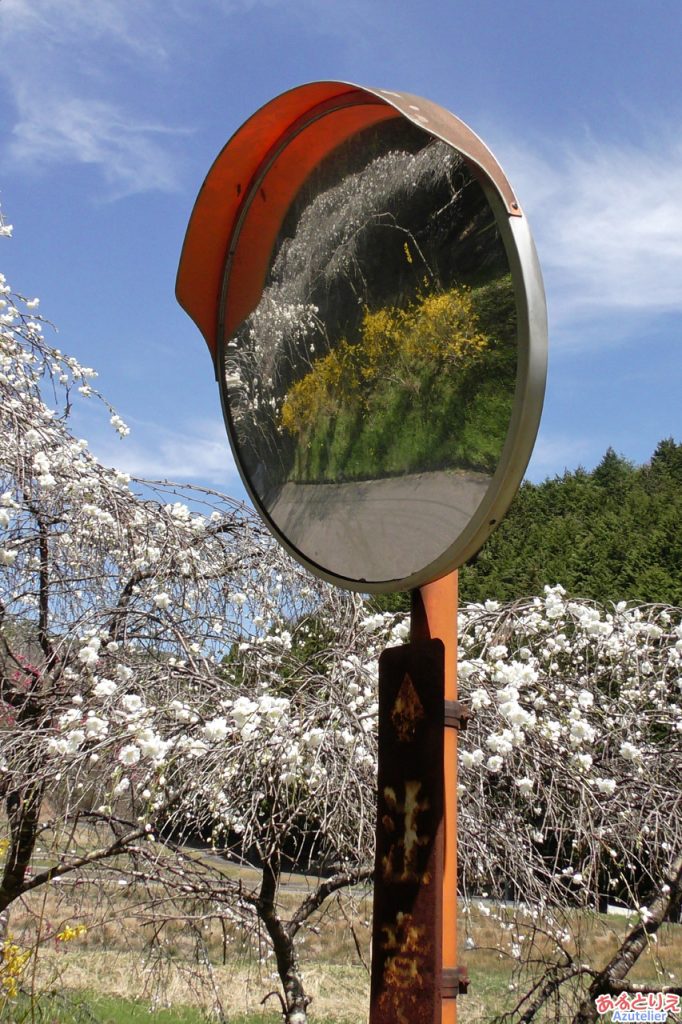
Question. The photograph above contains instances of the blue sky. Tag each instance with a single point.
(113, 110)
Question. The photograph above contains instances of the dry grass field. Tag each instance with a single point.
(194, 964)
(197, 960)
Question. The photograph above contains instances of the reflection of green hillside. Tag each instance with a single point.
(428, 387)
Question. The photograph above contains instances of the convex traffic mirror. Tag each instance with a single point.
(368, 287)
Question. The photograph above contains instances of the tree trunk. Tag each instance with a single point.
(23, 811)
(295, 1001)
(610, 979)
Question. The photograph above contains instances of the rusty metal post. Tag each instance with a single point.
(415, 977)
(407, 977)
(434, 617)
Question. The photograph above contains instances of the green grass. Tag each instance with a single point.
(89, 1008)
(458, 418)
(437, 430)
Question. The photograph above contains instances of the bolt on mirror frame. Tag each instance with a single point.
(208, 279)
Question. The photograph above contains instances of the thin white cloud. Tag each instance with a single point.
(325, 15)
(55, 71)
(606, 219)
(550, 453)
(199, 454)
(53, 24)
(66, 63)
(130, 157)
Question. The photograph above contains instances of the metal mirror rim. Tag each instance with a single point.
(531, 367)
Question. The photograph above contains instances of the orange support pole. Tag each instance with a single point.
(434, 617)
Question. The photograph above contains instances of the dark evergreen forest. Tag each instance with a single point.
(611, 534)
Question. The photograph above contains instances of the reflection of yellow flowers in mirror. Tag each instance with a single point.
(13, 960)
(4, 847)
(399, 347)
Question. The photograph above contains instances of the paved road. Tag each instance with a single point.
(379, 529)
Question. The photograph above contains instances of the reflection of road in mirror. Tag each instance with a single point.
(358, 529)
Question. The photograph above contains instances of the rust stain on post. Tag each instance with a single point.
(407, 711)
(407, 926)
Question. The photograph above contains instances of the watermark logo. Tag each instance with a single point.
(645, 1007)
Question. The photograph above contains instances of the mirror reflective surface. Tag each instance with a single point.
(370, 392)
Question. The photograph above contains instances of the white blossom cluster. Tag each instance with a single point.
(570, 773)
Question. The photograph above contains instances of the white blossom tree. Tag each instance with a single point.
(167, 671)
(571, 786)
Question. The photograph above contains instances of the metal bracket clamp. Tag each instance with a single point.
(457, 715)
(455, 982)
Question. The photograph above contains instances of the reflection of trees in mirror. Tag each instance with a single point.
(423, 389)
(392, 244)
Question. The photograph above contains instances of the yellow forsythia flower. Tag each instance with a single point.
(71, 932)
(13, 960)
